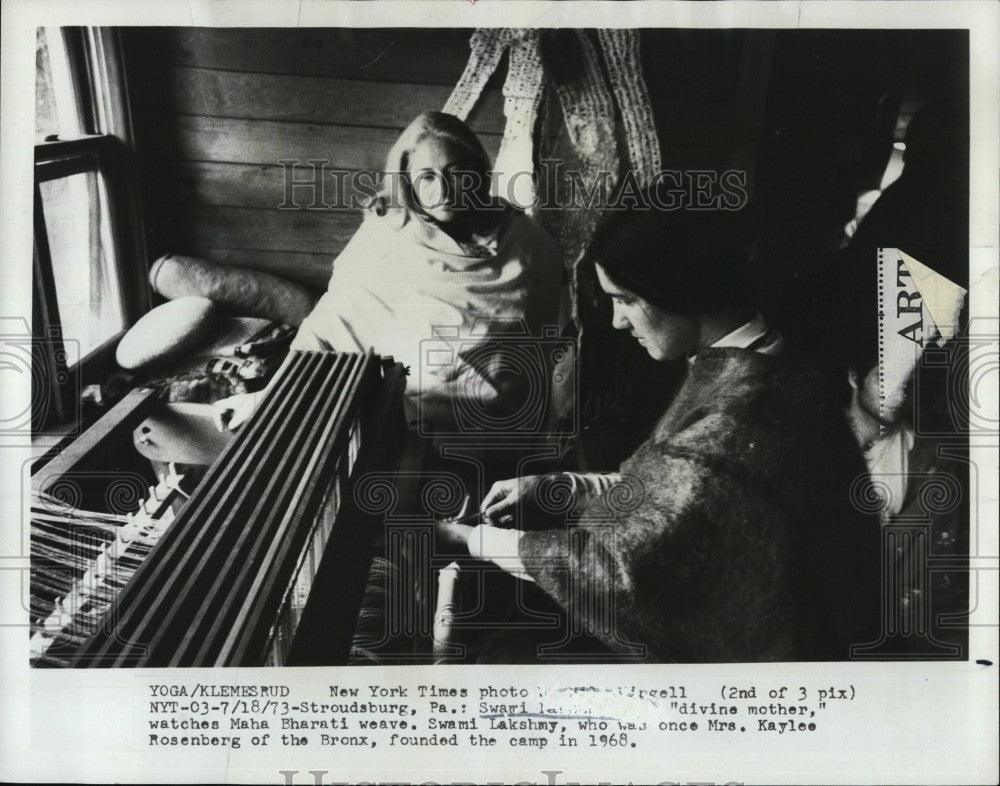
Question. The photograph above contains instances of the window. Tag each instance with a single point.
(89, 261)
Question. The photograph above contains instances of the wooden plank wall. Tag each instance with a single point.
(216, 110)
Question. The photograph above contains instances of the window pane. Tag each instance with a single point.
(56, 108)
(83, 264)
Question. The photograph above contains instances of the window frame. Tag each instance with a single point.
(106, 149)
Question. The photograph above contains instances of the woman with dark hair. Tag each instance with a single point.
(730, 534)
(436, 259)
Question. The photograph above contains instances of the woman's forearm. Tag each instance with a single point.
(589, 485)
(500, 546)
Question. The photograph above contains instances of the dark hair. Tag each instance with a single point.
(684, 261)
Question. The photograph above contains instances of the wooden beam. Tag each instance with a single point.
(315, 232)
(269, 142)
(425, 56)
(313, 99)
(262, 186)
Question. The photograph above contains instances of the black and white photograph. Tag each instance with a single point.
(588, 381)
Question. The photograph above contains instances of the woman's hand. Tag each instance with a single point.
(505, 496)
(233, 412)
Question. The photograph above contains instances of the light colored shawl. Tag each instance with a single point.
(416, 294)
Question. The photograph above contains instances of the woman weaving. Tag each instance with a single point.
(436, 259)
(729, 535)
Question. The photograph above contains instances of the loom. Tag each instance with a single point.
(263, 563)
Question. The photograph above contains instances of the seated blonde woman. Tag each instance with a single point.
(437, 262)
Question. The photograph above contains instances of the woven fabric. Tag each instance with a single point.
(621, 56)
(522, 92)
(589, 112)
(601, 113)
(487, 46)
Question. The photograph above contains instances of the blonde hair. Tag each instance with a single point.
(395, 193)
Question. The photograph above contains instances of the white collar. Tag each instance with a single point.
(744, 335)
(748, 334)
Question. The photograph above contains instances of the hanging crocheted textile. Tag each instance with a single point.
(591, 165)
(522, 93)
(488, 46)
(621, 56)
(598, 119)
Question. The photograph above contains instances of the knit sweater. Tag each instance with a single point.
(732, 537)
